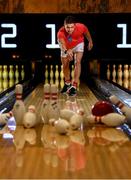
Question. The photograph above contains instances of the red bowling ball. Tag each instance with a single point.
(102, 108)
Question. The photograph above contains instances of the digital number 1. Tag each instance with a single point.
(53, 36)
(124, 36)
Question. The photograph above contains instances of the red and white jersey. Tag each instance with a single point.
(75, 38)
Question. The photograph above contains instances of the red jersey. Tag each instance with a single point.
(75, 38)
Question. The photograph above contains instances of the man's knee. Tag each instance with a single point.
(65, 63)
(78, 62)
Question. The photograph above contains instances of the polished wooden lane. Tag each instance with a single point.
(85, 98)
(41, 153)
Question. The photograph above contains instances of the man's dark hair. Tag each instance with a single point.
(69, 20)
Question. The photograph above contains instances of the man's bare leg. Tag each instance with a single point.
(77, 70)
(66, 72)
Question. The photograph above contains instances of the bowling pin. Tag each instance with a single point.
(46, 74)
(22, 72)
(130, 77)
(114, 73)
(108, 72)
(1, 78)
(72, 72)
(54, 110)
(19, 106)
(61, 77)
(126, 76)
(57, 76)
(29, 119)
(61, 125)
(66, 114)
(5, 117)
(11, 76)
(124, 109)
(16, 74)
(76, 120)
(51, 74)
(45, 104)
(5, 77)
(111, 119)
(119, 74)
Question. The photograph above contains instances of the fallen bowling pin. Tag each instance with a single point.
(114, 119)
(61, 125)
(76, 120)
(66, 114)
(124, 109)
(111, 119)
(29, 119)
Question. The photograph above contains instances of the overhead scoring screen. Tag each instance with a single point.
(34, 35)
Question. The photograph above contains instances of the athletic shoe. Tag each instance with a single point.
(65, 88)
(72, 91)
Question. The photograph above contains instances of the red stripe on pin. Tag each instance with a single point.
(97, 119)
(18, 96)
(54, 96)
(32, 110)
(119, 104)
(47, 95)
(10, 113)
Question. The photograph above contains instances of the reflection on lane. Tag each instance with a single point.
(106, 136)
(65, 150)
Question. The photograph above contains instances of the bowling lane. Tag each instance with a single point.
(41, 153)
(85, 98)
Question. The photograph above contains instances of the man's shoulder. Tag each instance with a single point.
(81, 27)
(61, 29)
(61, 32)
(80, 24)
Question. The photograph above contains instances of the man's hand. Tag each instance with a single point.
(69, 54)
(90, 45)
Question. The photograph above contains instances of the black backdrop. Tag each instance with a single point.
(33, 35)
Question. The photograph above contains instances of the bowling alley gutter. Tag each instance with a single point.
(104, 89)
(7, 98)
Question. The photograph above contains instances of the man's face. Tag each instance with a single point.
(69, 28)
